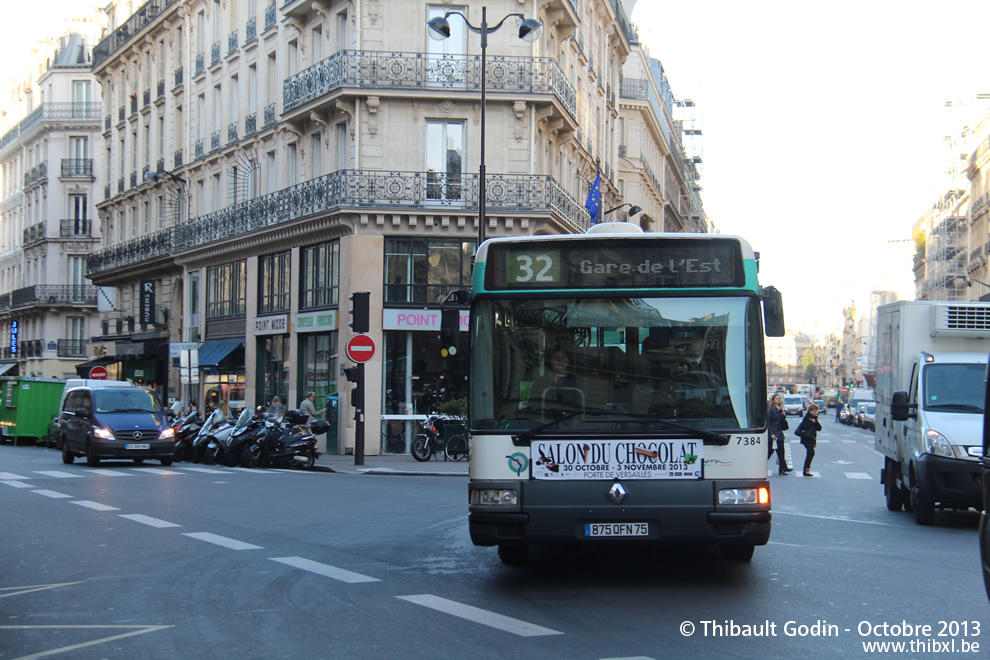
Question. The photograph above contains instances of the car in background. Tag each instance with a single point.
(793, 404)
(867, 418)
(822, 408)
(858, 411)
(805, 402)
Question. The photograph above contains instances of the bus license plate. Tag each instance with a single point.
(616, 529)
(137, 446)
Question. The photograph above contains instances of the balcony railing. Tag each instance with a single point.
(385, 70)
(120, 185)
(251, 29)
(178, 76)
(214, 53)
(107, 123)
(511, 193)
(36, 174)
(133, 179)
(232, 132)
(161, 89)
(54, 294)
(77, 167)
(232, 42)
(34, 233)
(52, 112)
(32, 348)
(250, 124)
(270, 115)
(200, 63)
(177, 159)
(72, 348)
(75, 228)
(140, 19)
(146, 98)
(199, 148)
(270, 15)
(215, 141)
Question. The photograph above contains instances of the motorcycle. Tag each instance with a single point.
(430, 441)
(244, 434)
(282, 447)
(210, 442)
(185, 433)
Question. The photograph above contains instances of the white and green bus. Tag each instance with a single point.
(617, 391)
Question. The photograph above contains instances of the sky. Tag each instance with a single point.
(824, 127)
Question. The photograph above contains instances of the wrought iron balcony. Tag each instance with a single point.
(199, 148)
(141, 18)
(200, 63)
(106, 192)
(121, 113)
(77, 167)
(270, 15)
(141, 249)
(120, 185)
(107, 123)
(134, 179)
(76, 228)
(232, 42)
(32, 348)
(232, 132)
(215, 141)
(177, 159)
(34, 233)
(178, 76)
(134, 103)
(251, 29)
(385, 70)
(36, 174)
(250, 124)
(160, 165)
(54, 294)
(146, 97)
(71, 348)
(215, 53)
(270, 114)
(161, 89)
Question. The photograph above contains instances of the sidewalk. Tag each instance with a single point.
(393, 464)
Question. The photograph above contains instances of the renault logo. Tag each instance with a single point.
(616, 493)
(137, 435)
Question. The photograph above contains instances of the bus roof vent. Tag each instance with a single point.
(961, 320)
(615, 228)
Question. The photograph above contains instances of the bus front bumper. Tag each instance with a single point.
(686, 511)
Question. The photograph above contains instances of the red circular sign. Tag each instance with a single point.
(98, 373)
(360, 348)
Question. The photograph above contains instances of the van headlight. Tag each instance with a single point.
(937, 445)
(102, 433)
(167, 432)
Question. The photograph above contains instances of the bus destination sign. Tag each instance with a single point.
(571, 264)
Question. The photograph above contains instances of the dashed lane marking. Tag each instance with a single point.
(478, 615)
(110, 473)
(6, 476)
(96, 506)
(232, 544)
(858, 475)
(148, 520)
(18, 484)
(205, 470)
(155, 470)
(58, 474)
(324, 569)
(51, 493)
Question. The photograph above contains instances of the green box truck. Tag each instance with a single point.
(27, 406)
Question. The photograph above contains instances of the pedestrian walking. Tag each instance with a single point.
(838, 409)
(308, 406)
(808, 430)
(776, 425)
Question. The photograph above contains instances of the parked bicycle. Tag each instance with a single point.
(430, 442)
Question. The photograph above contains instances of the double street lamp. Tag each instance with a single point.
(529, 30)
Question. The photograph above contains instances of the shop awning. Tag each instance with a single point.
(4, 368)
(212, 353)
(98, 362)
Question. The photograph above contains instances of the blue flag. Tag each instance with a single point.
(594, 203)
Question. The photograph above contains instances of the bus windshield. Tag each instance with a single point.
(607, 363)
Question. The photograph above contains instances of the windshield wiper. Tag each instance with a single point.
(710, 437)
(968, 407)
(123, 410)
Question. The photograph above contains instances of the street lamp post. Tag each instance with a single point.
(633, 209)
(155, 177)
(529, 30)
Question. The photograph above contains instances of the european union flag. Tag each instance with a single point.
(594, 203)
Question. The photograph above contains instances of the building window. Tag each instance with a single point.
(226, 291)
(320, 275)
(424, 271)
(273, 285)
(273, 376)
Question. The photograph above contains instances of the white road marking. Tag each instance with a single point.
(148, 520)
(232, 544)
(156, 470)
(5, 476)
(478, 615)
(44, 654)
(858, 475)
(96, 506)
(850, 441)
(110, 473)
(18, 484)
(205, 470)
(324, 569)
(57, 474)
(51, 493)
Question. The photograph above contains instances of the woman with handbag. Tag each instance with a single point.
(776, 425)
(808, 430)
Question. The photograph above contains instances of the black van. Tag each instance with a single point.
(126, 423)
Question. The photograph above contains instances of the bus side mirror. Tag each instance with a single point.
(773, 312)
(900, 409)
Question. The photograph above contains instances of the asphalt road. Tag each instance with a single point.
(131, 561)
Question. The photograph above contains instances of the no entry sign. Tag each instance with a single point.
(98, 373)
(360, 348)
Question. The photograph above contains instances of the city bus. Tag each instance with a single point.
(616, 394)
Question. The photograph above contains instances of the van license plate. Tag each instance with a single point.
(137, 446)
(616, 529)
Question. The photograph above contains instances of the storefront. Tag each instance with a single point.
(417, 379)
(273, 359)
(316, 337)
(221, 369)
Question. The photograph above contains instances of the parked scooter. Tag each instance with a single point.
(244, 433)
(185, 433)
(210, 442)
(283, 447)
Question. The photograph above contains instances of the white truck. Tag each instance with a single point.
(931, 380)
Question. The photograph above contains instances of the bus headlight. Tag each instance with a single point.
(759, 495)
(494, 497)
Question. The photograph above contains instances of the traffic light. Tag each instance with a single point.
(359, 311)
(450, 322)
(353, 375)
